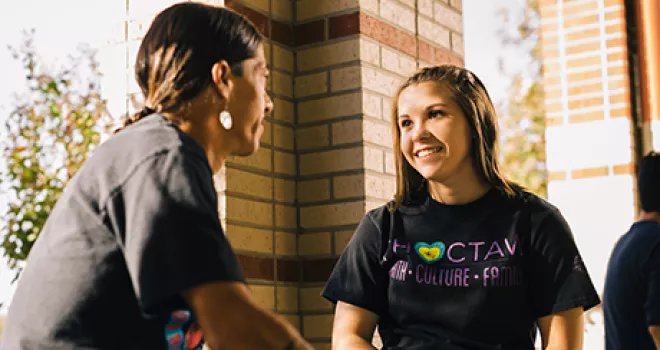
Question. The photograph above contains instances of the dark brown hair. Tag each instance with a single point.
(469, 93)
(178, 51)
(647, 182)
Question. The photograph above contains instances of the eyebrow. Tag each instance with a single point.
(428, 108)
(261, 65)
(439, 104)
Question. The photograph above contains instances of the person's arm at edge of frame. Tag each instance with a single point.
(563, 330)
(230, 319)
(651, 305)
(353, 327)
(655, 334)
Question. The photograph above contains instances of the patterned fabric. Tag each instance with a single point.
(182, 332)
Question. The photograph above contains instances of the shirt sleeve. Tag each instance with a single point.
(558, 278)
(171, 235)
(652, 302)
(358, 277)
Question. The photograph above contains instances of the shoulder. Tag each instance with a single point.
(150, 150)
(539, 208)
(378, 216)
(641, 233)
(155, 130)
(147, 142)
(549, 230)
(381, 216)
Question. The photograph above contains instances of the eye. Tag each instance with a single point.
(437, 113)
(405, 123)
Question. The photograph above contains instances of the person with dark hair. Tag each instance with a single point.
(462, 258)
(134, 254)
(631, 297)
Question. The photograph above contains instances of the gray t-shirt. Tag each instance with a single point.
(137, 225)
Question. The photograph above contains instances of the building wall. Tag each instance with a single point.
(588, 109)
(590, 145)
(326, 158)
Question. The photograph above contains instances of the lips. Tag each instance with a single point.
(426, 151)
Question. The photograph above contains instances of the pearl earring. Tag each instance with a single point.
(225, 120)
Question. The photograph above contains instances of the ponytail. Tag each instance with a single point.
(144, 112)
(174, 60)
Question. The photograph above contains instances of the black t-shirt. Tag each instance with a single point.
(137, 225)
(474, 276)
(631, 298)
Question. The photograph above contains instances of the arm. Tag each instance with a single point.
(228, 317)
(563, 330)
(358, 287)
(178, 256)
(353, 327)
(559, 285)
(655, 334)
(652, 304)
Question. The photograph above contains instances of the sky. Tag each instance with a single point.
(62, 25)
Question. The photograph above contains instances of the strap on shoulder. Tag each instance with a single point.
(392, 221)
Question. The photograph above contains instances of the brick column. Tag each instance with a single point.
(350, 58)
(589, 135)
(261, 211)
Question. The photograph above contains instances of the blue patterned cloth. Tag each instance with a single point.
(182, 332)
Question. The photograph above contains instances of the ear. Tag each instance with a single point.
(222, 78)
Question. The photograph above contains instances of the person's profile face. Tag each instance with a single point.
(249, 103)
(434, 132)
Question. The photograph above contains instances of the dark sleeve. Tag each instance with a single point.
(652, 302)
(558, 278)
(358, 277)
(172, 238)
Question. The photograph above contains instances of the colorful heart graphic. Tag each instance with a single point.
(430, 253)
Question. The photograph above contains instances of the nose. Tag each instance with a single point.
(419, 132)
(268, 108)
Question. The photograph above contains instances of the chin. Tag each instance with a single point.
(434, 175)
(248, 149)
(429, 172)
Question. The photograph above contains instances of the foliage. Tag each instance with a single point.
(523, 119)
(49, 133)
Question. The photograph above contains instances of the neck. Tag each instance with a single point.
(199, 120)
(456, 195)
(463, 186)
(649, 216)
(200, 134)
(462, 192)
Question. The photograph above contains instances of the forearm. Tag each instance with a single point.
(654, 331)
(569, 342)
(276, 331)
(552, 347)
(230, 319)
(563, 330)
(257, 328)
(351, 342)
